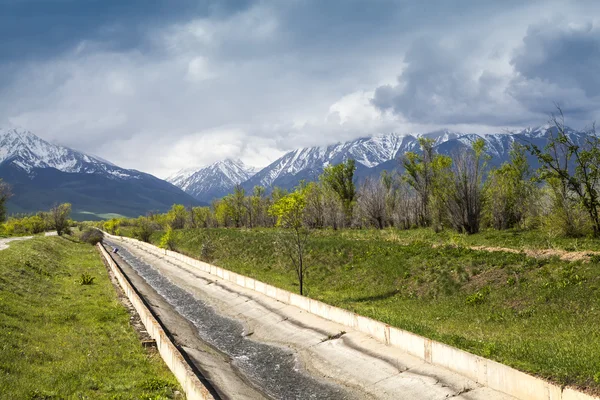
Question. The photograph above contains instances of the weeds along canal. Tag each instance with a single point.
(275, 371)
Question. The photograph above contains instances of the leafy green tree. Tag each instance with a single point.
(575, 167)
(112, 225)
(177, 216)
(509, 190)
(340, 179)
(427, 173)
(144, 228)
(168, 241)
(5, 194)
(60, 215)
(222, 211)
(290, 212)
(202, 216)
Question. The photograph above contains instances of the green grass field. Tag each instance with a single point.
(60, 339)
(537, 315)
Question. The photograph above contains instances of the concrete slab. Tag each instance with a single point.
(367, 367)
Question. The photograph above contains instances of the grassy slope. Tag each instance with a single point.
(60, 339)
(539, 316)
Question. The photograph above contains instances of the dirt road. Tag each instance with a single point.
(4, 242)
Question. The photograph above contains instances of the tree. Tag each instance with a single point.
(144, 228)
(427, 173)
(465, 201)
(290, 211)
(177, 216)
(509, 190)
(112, 225)
(339, 178)
(315, 205)
(372, 201)
(574, 167)
(168, 241)
(60, 215)
(5, 194)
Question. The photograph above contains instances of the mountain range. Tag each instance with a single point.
(372, 155)
(42, 174)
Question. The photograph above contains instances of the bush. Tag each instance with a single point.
(92, 236)
(86, 279)
(207, 250)
(168, 240)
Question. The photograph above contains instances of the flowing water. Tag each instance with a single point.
(274, 370)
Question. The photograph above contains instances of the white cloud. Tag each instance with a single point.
(260, 81)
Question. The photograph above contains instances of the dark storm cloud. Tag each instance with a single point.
(36, 29)
(453, 82)
(153, 84)
(559, 62)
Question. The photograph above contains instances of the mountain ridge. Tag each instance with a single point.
(43, 174)
(372, 154)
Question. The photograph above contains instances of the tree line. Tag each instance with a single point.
(461, 192)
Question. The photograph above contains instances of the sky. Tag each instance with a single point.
(162, 85)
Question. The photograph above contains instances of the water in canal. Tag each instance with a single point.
(275, 371)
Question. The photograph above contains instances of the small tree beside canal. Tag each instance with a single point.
(289, 211)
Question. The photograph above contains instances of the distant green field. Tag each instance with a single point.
(60, 339)
(90, 216)
(537, 315)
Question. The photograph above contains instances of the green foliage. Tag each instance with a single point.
(86, 279)
(112, 225)
(167, 241)
(580, 182)
(428, 173)
(92, 236)
(289, 210)
(5, 194)
(64, 340)
(509, 192)
(420, 281)
(60, 217)
(340, 179)
(144, 228)
(177, 216)
(478, 297)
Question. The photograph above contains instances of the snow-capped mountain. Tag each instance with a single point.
(43, 174)
(372, 155)
(213, 181)
(309, 162)
(27, 151)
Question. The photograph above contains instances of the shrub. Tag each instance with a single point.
(478, 297)
(207, 250)
(86, 279)
(168, 240)
(92, 236)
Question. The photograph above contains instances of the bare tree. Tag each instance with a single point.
(372, 201)
(465, 200)
(5, 194)
(575, 166)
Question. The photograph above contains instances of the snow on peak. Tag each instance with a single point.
(218, 177)
(28, 151)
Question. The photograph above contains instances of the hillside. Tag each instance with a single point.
(43, 174)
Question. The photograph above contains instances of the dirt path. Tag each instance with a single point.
(4, 242)
(543, 253)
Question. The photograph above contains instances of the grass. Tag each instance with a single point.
(91, 216)
(63, 332)
(537, 315)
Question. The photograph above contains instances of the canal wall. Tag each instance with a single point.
(191, 384)
(485, 372)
